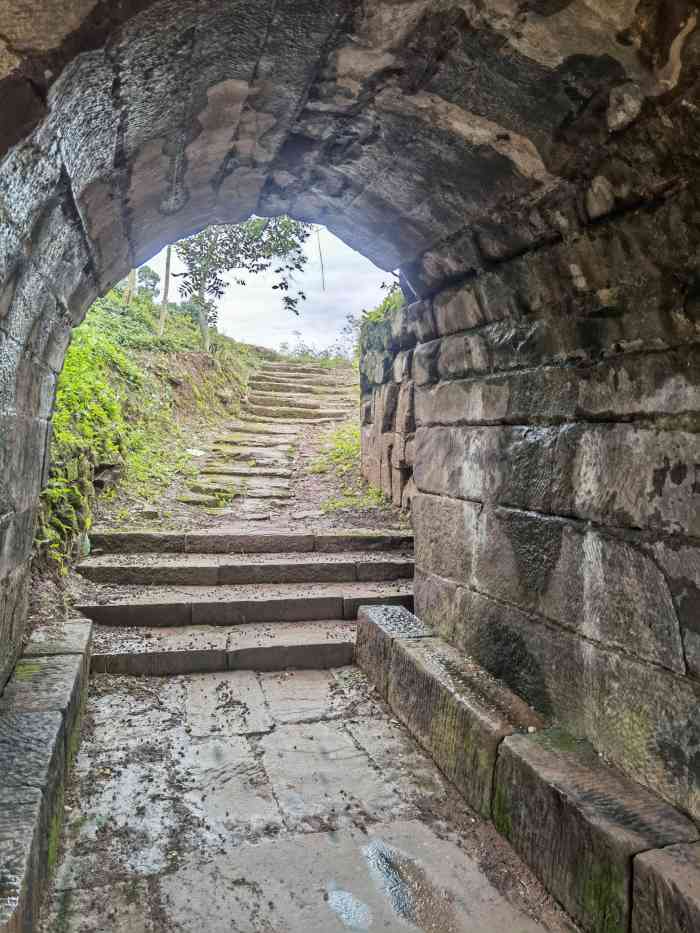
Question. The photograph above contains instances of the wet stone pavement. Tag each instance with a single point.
(272, 803)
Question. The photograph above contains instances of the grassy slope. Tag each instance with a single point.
(125, 405)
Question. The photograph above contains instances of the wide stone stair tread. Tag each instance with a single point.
(230, 605)
(260, 384)
(273, 441)
(260, 427)
(311, 402)
(215, 569)
(223, 541)
(247, 489)
(197, 648)
(218, 469)
(301, 414)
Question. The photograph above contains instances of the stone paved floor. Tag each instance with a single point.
(272, 803)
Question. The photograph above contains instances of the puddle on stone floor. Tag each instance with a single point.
(410, 892)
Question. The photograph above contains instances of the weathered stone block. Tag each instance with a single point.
(666, 890)
(680, 564)
(89, 119)
(32, 755)
(457, 712)
(377, 629)
(402, 366)
(457, 309)
(578, 824)
(49, 684)
(21, 863)
(440, 603)
(22, 465)
(602, 587)
(375, 369)
(14, 595)
(446, 531)
(643, 719)
(404, 420)
(385, 402)
(460, 462)
(399, 477)
(615, 474)
(474, 401)
(26, 384)
(425, 358)
(72, 636)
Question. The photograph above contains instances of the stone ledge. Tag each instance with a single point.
(457, 711)
(611, 851)
(21, 839)
(40, 711)
(579, 824)
(666, 893)
(377, 629)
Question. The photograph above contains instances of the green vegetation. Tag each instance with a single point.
(341, 456)
(301, 352)
(392, 301)
(123, 400)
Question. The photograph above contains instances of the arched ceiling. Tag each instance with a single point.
(398, 124)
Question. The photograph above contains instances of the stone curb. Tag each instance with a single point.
(40, 713)
(617, 857)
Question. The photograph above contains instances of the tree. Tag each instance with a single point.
(149, 281)
(166, 292)
(130, 287)
(257, 245)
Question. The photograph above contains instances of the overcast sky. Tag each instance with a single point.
(254, 314)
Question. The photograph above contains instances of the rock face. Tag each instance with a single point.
(532, 168)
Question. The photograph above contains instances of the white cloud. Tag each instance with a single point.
(254, 314)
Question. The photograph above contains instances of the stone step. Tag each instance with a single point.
(300, 414)
(232, 605)
(193, 649)
(288, 400)
(230, 490)
(217, 468)
(222, 569)
(282, 442)
(278, 400)
(302, 368)
(261, 455)
(221, 541)
(257, 426)
(268, 384)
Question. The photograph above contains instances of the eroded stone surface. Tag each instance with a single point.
(578, 823)
(457, 711)
(666, 891)
(181, 814)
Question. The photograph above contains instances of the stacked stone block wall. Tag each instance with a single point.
(544, 418)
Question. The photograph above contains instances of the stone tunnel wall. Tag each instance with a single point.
(544, 419)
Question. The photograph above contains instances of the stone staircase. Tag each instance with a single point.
(215, 599)
(254, 459)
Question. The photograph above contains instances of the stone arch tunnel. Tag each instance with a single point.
(532, 168)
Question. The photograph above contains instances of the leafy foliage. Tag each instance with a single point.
(115, 410)
(257, 245)
(149, 280)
